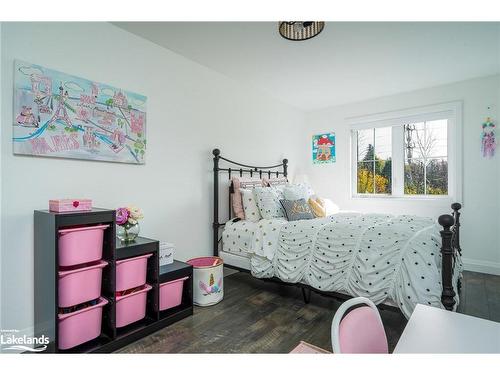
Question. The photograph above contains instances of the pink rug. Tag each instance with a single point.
(306, 348)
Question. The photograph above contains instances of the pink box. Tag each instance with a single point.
(80, 326)
(80, 245)
(80, 285)
(131, 307)
(67, 205)
(131, 272)
(171, 293)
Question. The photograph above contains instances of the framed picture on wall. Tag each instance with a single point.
(64, 116)
(323, 148)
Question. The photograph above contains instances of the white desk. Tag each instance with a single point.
(433, 330)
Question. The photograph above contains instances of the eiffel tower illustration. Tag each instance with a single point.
(60, 112)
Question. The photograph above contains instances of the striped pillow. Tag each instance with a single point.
(274, 181)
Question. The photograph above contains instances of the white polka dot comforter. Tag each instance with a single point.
(381, 257)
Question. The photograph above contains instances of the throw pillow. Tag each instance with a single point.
(250, 205)
(268, 201)
(297, 209)
(237, 199)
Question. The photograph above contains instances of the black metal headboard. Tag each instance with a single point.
(241, 169)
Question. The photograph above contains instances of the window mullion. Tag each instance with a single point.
(425, 158)
(398, 161)
(374, 184)
(354, 170)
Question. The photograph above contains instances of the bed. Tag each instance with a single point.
(396, 261)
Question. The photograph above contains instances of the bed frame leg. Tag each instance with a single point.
(306, 294)
(447, 252)
(215, 224)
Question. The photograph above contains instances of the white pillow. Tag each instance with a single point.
(330, 207)
(307, 188)
(250, 205)
(268, 201)
(295, 192)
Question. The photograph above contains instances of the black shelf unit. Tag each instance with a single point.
(47, 225)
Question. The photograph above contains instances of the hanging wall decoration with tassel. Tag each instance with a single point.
(488, 141)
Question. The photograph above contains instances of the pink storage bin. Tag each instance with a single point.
(131, 272)
(69, 205)
(171, 293)
(80, 326)
(80, 285)
(80, 245)
(131, 307)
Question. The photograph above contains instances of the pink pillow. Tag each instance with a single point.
(236, 199)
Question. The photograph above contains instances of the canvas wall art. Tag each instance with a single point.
(323, 148)
(60, 115)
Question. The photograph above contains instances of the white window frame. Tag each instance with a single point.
(451, 111)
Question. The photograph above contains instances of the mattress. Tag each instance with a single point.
(239, 261)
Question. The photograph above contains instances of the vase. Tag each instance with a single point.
(127, 232)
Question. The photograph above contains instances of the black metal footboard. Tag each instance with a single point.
(450, 247)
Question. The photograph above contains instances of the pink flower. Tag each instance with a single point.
(122, 215)
(135, 213)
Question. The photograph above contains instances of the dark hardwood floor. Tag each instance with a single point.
(262, 317)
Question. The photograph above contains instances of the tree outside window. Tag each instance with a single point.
(374, 169)
(426, 158)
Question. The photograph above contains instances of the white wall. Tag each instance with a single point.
(1, 26)
(498, 140)
(191, 110)
(481, 177)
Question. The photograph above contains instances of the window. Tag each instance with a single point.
(374, 161)
(409, 154)
(426, 158)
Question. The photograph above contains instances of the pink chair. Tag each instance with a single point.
(359, 331)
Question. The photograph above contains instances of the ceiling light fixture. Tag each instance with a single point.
(300, 30)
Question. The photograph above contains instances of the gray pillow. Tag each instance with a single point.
(296, 209)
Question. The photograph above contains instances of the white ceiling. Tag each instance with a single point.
(347, 62)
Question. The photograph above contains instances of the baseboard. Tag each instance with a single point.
(483, 266)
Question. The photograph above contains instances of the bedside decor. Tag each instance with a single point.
(127, 223)
(167, 252)
(67, 205)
